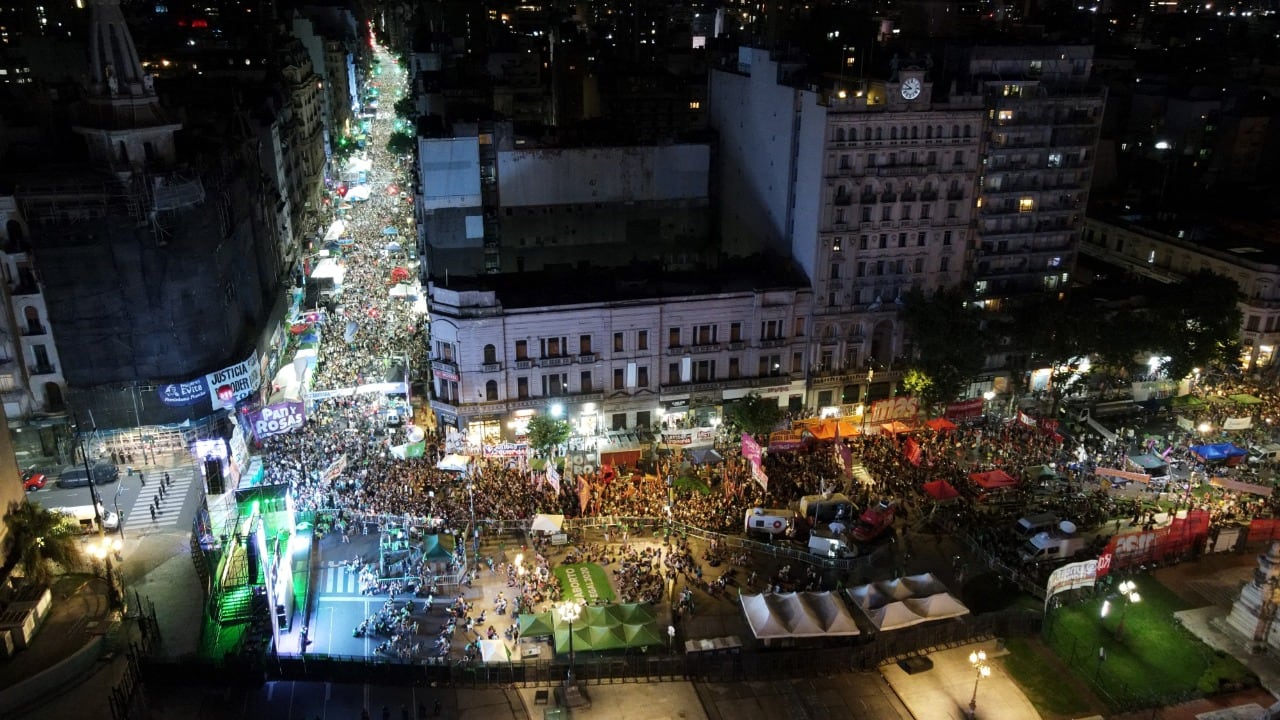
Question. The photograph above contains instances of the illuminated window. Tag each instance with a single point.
(695, 105)
(1006, 115)
(1026, 204)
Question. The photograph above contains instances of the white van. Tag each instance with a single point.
(768, 521)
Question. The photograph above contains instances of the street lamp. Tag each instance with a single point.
(1129, 591)
(104, 549)
(570, 611)
(979, 662)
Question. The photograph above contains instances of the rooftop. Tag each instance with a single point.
(634, 282)
(1246, 241)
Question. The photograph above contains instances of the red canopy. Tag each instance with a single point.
(941, 490)
(895, 428)
(941, 424)
(993, 480)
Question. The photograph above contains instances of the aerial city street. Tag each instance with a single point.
(374, 359)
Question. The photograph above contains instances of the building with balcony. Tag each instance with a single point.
(30, 379)
(614, 349)
(1169, 250)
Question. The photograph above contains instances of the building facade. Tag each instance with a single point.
(1168, 252)
(612, 364)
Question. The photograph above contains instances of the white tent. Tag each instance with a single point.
(868, 597)
(492, 651)
(336, 230)
(359, 164)
(403, 291)
(359, 193)
(937, 607)
(547, 523)
(455, 462)
(809, 614)
(330, 269)
(923, 584)
(894, 589)
(895, 615)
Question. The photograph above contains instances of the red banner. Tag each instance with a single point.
(964, 410)
(1264, 529)
(912, 451)
(1137, 548)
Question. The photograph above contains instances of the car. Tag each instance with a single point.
(76, 476)
(33, 479)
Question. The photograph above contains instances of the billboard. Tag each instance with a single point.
(234, 383)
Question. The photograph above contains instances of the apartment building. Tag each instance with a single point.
(612, 351)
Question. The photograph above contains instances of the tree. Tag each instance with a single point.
(405, 108)
(948, 346)
(1199, 319)
(755, 415)
(546, 432)
(41, 539)
(401, 143)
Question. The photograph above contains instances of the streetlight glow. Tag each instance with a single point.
(982, 670)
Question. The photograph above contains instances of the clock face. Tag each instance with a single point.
(911, 88)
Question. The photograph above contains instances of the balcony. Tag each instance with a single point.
(555, 361)
(34, 330)
(524, 364)
(588, 358)
(445, 365)
(773, 342)
(25, 288)
(708, 348)
(43, 370)
(736, 345)
(491, 367)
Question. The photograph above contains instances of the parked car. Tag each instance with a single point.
(875, 521)
(77, 476)
(33, 479)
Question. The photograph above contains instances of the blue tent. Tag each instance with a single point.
(1217, 452)
(389, 230)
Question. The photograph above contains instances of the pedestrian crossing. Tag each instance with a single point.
(168, 511)
(338, 581)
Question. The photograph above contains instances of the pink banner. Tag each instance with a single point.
(964, 409)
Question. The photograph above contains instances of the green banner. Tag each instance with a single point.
(586, 582)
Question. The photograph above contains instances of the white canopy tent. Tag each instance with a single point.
(547, 523)
(796, 615)
(359, 193)
(906, 601)
(336, 230)
(454, 462)
(329, 268)
(492, 651)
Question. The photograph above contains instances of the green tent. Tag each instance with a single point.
(1186, 401)
(633, 613)
(438, 547)
(1246, 400)
(639, 635)
(581, 639)
(536, 625)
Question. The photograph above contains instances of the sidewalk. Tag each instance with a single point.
(946, 690)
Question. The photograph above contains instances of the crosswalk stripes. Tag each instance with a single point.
(169, 513)
(337, 581)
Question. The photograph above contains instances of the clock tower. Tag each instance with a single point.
(909, 90)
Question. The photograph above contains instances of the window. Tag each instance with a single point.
(886, 212)
(643, 420)
(585, 383)
(522, 349)
(704, 371)
(946, 237)
(1004, 116)
(618, 421)
(642, 340)
(919, 266)
(444, 351)
(1151, 257)
(862, 243)
(617, 342)
(951, 211)
(770, 329)
(902, 239)
(925, 210)
(642, 376)
(619, 379)
(866, 216)
(770, 365)
(944, 264)
(960, 153)
(704, 335)
(862, 269)
(673, 337)
(884, 241)
(734, 370)
(491, 391)
(735, 332)
(522, 388)
(920, 239)
(1026, 204)
(831, 299)
(490, 354)
(799, 326)
(1055, 160)
(695, 105)
(673, 373)
(555, 384)
(584, 344)
(797, 362)
(906, 212)
(554, 347)
(835, 271)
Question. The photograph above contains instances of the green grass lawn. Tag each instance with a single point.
(1042, 683)
(1153, 658)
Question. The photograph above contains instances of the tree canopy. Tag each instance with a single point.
(41, 539)
(1199, 323)
(546, 432)
(754, 414)
(401, 143)
(947, 344)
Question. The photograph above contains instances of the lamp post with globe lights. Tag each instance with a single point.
(981, 669)
(570, 611)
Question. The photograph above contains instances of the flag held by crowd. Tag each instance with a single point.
(553, 477)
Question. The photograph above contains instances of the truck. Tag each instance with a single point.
(84, 516)
(875, 520)
(823, 542)
(1032, 525)
(768, 521)
(1048, 546)
(827, 507)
